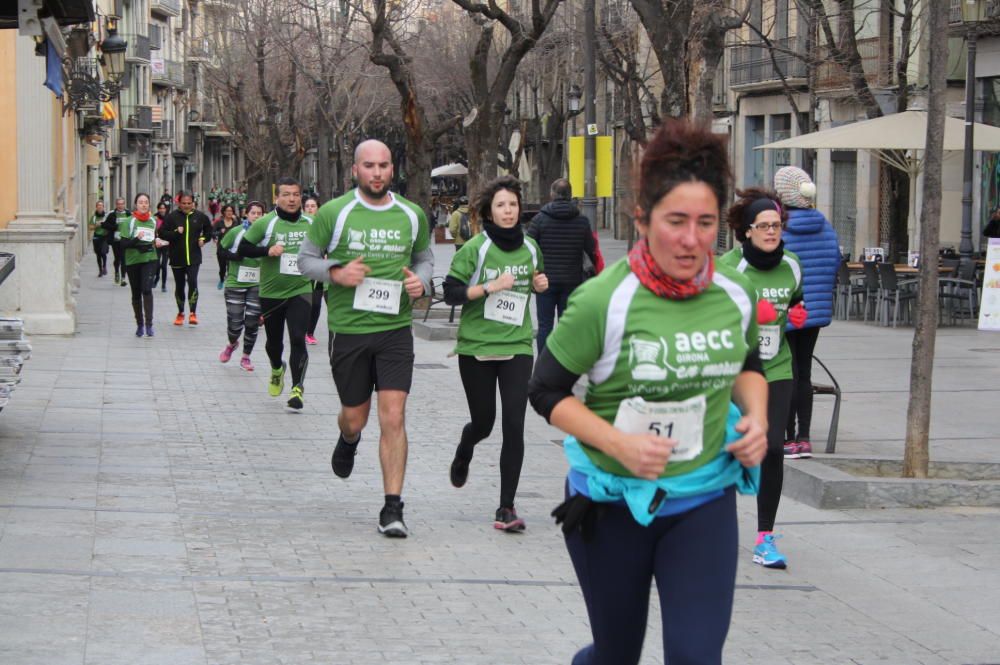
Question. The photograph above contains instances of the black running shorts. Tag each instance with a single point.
(375, 361)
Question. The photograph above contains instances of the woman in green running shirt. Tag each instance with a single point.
(138, 234)
(492, 277)
(668, 339)
(758, 218)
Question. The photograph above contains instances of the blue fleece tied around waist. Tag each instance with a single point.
(637, 493)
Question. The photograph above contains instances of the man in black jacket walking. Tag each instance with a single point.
(564, 236)
(187, 230)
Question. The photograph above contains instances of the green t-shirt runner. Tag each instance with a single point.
(245, 273)
(782, 286)
(634, 343)
(279, 275)
(386, 236)
(95, 225)
(122, 216)
(145, 232)
(495, 333)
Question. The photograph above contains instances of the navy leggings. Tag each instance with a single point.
(692, 557)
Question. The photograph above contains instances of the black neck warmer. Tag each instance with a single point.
(288, 216)
(506, 239)
(760, 259)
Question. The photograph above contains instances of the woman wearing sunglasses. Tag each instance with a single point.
(758, 218)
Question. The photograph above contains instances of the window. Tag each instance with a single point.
(781, 128)
(754, 159)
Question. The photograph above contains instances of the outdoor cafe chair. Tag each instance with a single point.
(959, 295)
(436, 297)
(893, 289)
(847, 292)
(871, 293)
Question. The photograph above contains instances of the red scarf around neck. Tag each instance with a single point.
(645, 267)
(141, 216)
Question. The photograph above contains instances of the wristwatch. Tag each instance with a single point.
(486, 288)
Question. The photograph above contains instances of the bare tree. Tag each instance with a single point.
(916, 455)
(489, 93)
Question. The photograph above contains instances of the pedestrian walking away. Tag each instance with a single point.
(242, 291)
(811, 236)
(226, 222)
(162, 248)
(310, 205)
(186, 230)
(138, 238)
(99, 236)
(285, 294)
(112, 228)
(492, 278)
(566, 239)
(372, 248)
(757, 219)
(462, 224)
(668, 337)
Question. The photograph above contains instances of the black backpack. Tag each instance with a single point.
(464, 229)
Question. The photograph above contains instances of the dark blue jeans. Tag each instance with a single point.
(546, 304)
(692, 557)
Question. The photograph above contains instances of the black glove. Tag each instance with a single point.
(579, 513)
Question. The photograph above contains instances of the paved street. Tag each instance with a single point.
(157, 507)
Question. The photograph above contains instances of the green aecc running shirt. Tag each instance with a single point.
(145, 231)
(386, 236)
(781, 285)
(246, 268)
(633, 343)
(279, 275)
(480, 261)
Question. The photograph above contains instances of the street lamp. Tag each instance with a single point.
(973, 13)
(113, 49)
(574, 96)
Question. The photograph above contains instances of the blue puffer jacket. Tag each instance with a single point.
(814, 241)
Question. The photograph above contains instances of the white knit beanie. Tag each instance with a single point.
(795, 187)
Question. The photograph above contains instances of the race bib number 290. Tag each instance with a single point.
(506, 307)
(681, 421)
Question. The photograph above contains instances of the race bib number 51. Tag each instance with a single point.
(378, 295)
(506, 307)
(681, 421)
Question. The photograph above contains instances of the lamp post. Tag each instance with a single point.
(973, 12)
(589, 202)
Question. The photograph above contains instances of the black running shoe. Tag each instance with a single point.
(459, 471)
(343, 457)
(507, 520)
(390, 521)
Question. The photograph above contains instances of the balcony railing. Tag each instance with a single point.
(168, 7)
(204, 114)
(165, 132)
(138, 47)
(136, 118)
(155, 37)
(753, 63)
(878, 70)
(172, 73)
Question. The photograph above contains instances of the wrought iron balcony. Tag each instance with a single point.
(752, 64)
(138, 48)
(136, 118)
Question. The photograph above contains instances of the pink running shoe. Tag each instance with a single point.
(227, 353)
(246, 364)
(792, 450)
(805, 448)
(310, 339)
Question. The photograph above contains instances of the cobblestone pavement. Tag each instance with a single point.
(157, 507)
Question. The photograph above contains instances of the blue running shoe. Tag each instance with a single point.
(767, 554)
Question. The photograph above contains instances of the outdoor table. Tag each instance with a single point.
(901, 268)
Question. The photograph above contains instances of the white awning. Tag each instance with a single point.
(449, 170)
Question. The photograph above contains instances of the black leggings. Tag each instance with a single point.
(243, 316)
(101, 252)
(480, 378)
(692, 557)
(802, 343)
(162, 261)
(317, 305)
(140, 281)
(295, 312)
(223, 267)
(186, 275)
(119, 258)
(779, 397)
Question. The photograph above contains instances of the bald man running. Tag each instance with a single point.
(373, 248)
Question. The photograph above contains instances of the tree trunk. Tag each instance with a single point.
(481, 142)
(918, 413)
(705, 50)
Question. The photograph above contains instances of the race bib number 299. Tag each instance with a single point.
(378, 295)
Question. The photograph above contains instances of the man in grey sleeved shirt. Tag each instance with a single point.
(371, 345)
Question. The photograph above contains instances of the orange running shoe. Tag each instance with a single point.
(179, 321)
(192, 319)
